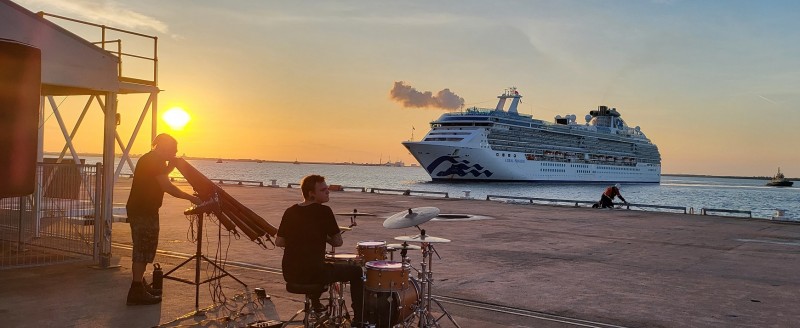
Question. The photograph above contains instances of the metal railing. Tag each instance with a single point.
(577, 203)
(534, 200)
(409, 192)
(531, 200)
(228, 181)
(705, 211)
(119, 53)
(56, 223)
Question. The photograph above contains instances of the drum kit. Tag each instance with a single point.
(392, 296)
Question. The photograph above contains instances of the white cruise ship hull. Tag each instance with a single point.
(450, 162)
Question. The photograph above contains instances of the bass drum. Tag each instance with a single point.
(387, 309)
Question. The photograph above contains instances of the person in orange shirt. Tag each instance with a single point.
(607, 199)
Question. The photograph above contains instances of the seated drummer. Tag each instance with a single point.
(304, 230)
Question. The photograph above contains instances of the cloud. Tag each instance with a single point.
(768, 100)
(110, 13)
(411, 98)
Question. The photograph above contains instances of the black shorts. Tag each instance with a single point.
(144, 233)
(606, 202)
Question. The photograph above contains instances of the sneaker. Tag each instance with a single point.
(137, 295)
(149, 288)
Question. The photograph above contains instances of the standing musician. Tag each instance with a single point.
(150, 182)
(305, 229)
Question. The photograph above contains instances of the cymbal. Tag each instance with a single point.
(410, 218)
(403, 246)
(422, 239)
(345, 228)
(355, 214)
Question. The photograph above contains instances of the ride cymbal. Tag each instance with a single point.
(410, 218)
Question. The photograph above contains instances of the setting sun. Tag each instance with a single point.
(176, 118)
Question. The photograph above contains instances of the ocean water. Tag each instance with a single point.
(689, 192)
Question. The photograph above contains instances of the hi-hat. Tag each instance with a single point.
(345, 228)
(403, 246)
(410, 218)
(355, 214)
(422, 239)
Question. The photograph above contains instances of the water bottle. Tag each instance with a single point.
(158, 276)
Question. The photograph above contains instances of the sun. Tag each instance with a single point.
(176, 118)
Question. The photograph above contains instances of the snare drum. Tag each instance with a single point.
(344, 258)
(386, 276)
(372, 250)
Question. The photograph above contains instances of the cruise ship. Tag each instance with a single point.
(480, 144)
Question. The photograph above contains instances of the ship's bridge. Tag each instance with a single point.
(609, 120)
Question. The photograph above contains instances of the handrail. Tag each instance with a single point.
(578, 202)
(223, 181)
(42, 13)
(532, 199)
(359, 188)
(408, 192)
(704, 211)
(679, 208)
(119, 53)
(239, 182)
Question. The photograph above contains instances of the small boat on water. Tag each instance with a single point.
(219, 160)
(779, 180)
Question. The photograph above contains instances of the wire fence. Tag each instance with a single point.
(56, 223)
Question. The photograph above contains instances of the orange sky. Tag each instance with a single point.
(715, 86)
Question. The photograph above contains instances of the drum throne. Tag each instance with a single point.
(313, 315)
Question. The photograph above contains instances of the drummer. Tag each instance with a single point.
(304, 230)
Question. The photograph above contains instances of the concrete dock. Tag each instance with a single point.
(517, 266)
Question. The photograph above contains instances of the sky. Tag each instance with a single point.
(715, 84)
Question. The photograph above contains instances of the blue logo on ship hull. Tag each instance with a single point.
(457, 167)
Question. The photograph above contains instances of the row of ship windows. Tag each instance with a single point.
(577, 165)
(443, 139)
(577, 171)
(617, 168)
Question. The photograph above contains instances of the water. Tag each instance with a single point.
(694, 192)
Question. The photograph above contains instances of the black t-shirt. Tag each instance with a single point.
(146, 194)
(305, 229)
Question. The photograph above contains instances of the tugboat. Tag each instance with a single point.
(779, 180)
